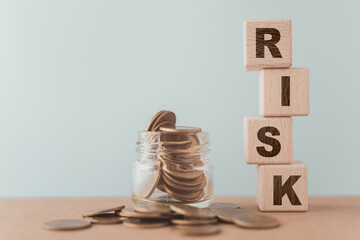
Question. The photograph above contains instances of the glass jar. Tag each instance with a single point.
(173, 167)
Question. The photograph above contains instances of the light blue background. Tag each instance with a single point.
(79, 79)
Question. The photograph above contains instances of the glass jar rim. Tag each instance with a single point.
(144, 147)
(202, 134)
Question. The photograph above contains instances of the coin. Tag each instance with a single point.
(160, 184)
(152, 208)
(103, 210)
(223, 205)
(145, 223)
(173, 137)
(227, 214)
(185, 182)
(193, 221)
(178, 167)
(173, 187)
(182, 129)
(168, 146)
(190, 211)
(147, 178)
(255, 220)
(106, 218)
(196, 230)
(162, 116)
(187, 174)
(183, 188)
(128, 212)
(67, 224)
(153, 120)
(188, 197)
(162, 124)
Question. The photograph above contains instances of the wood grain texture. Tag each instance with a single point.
(328, 218)
(284, 45)
(274, 100)
(268, 192)
(252, 126)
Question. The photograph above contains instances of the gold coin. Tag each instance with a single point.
(160, 185)
(173, 137)
(147, 178)
(106, 218)
(184, 182)
(67, 224)
(196, 230)
(178, 167)
(153, 120)
(193, 221)
(193, 138)
(227, 214)
(255, 220)
(128, 212)
(170, 158)
(181, 129)
(145, 223)
(182, 160)
(184, 196)
(166, 116)
(152, 208)
(190, 211)
(162, 124)
(187, 174)
(182, 189)
(218, 205)
(169, 146)
(103, 210)
(186, 158)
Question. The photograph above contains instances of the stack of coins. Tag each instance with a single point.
(184, 219)
(180, 172)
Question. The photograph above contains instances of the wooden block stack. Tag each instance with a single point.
(283, 92)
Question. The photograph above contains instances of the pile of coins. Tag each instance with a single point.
(183, 219)
(179, 151)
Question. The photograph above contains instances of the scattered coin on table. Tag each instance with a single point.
(227, 214)
(196, 230)
(106, 218)
(152, 208)
(103, 210)
(190, 211)
(67, 224)
(145, 223)
(185, 219)
(194, 221)
(255, 220)
(128, 212)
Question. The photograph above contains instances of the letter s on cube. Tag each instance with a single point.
(268, 140)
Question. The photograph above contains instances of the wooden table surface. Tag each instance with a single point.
(328, 218)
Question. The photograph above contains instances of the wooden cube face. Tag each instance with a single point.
(282, 187)
(284, 92)
(268, 140)
(267, 44)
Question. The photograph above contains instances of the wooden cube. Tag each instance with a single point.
(268, 140)
(282, 187)
(267, 44)
(284, 92)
